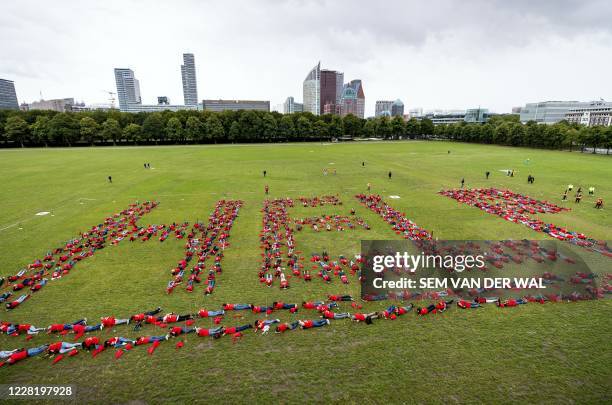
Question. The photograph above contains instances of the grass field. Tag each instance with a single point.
(554, 353)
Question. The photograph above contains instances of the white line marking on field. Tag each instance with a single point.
(41, 213)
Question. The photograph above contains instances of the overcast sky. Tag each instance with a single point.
(431, 54)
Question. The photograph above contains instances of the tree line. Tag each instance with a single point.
(50, 128)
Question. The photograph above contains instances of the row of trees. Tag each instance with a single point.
(507, 130)
(49, 128)
(37, 128)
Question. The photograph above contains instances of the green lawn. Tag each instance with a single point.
(536, 353)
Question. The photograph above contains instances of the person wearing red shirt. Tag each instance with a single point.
(327, 314)
(214, 332)
(283, 327)
(308, 324)
(236, 329)
(340, 298)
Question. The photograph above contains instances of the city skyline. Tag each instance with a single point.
(450, 57)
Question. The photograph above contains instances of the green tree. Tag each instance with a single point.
(427, 127)
(214, 129)
(517, 134)
(89, 129)
(352, 125)
(398, 127)
(570, 138)
(486, 133)
(133, 132)
(270, 127)
(501, 134)
(335, 127)
(195, 129)
(40, 129)
(111, 130)
(64, 128)
(17, 129)
(304, 128)
(153, 127)
(174, 129)
(370, 128)
(413, 128)
(384, 127)
(320, 130)
(235, 132)
(286, 129)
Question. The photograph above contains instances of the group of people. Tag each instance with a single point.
(578, 196)
(59, 262)
(206, 241)
(400, 224)
(328, 311)
(518, 208)
(330, 222)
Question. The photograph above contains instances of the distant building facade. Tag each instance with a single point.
(596, 113)
(60, 105)
(128, 88)
(397, 108)
(163, 100)
(549, 112)
(235, 105)
(135, 108)
(353, 99)
(476, 115)
(322, 91)
(290, 106)
(188, 75)
(311, 91)
(382, 108)
(8, 96)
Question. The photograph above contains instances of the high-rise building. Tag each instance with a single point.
(8, 96)
(331, 81)
(188, 74)
(312, 90)
(382, 108)
(339, 87)
(353, 99)
(290, 106)
(128, 88)
(397, 108)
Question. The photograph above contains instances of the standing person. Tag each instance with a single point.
(110, 179)
(487, 174)
(369, 186)
(512, 173)
(462, 182)
(564, 198)
(145, 165)
(390, 174)
(362, 164)
(570, 187)
(599, 203)
(264, 173)
(578, 198)
(591, 190)
(267, 189)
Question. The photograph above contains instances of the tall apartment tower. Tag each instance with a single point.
(188, 74)
(128, 88)
(8, 96)
(312, 91)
